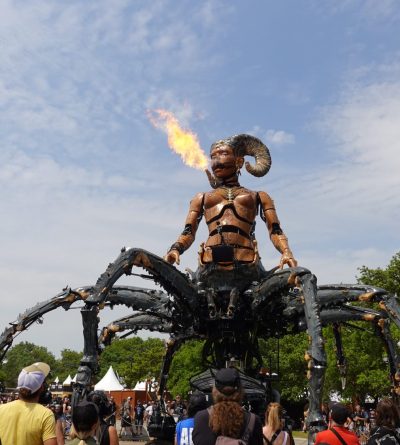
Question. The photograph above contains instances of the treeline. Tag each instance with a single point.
(136, 359)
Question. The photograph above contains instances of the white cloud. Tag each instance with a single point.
(279, 137)
(363, 126)
(273, 137)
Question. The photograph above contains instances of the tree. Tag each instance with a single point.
(186, 363)
(68, 364)
(22, 355)
(134, 359)
(388, 278)
(291, 369)
(367, 373)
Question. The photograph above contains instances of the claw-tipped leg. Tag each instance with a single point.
(316, 356)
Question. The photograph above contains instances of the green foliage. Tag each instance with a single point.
(367, 373)
(186, 363)
(134, 359)
(22, 355)
(292, 366)
(388, 278)
(68, 364)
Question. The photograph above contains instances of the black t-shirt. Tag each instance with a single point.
(203, 434)
(139, 411)
(384, 436)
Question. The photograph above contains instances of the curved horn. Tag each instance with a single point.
(252, 146)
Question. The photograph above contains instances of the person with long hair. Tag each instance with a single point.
(273, 430)
(226, 417)
(85, 421)
(387, 430)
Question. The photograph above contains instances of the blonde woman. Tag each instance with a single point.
(85, 420)
(272, 431)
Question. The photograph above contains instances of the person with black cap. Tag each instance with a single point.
(338, 434)
(26, 421)
(226, 418)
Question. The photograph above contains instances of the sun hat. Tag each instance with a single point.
(33, 376)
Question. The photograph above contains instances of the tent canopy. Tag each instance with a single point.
(67, 381)
(109, 382)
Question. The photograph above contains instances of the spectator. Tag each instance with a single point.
(178, 408)
(148, 412)
(126, 417)
(105, 434)
(58, 414)
(226, 417)
(26, 421)
(272, 430)
(338, 434)
(387, 431)
(360, 420)
(113, 408)
(184, 428)
(139, 415)
(85, 421)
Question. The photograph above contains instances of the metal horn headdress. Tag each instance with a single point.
(246, 145)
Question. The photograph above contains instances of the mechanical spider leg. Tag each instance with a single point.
(340, 358)
(383, 331)
(316, 356)
(391, 305)
(173, 281)
(134, 322)
(89, 363)
(64, 299)
(173, 344)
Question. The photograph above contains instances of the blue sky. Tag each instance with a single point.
(83, 172)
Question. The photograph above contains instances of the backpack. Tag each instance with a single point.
(225, 440)
(274, 436)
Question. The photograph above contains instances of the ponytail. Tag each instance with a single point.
(273, 416)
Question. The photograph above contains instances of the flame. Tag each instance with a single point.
(183, 142)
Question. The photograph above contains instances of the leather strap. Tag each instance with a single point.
(338, 436)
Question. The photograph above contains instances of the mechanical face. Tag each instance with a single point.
(224, 162)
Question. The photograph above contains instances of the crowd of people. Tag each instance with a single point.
(30, 417)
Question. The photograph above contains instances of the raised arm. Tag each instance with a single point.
(187, 237)
(278, 238)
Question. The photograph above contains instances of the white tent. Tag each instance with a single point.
(144, 386)
(109, 382)
(67, 381)
(140, 386)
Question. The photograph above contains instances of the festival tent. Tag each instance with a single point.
(67, 381)
(109, 382)
(111, 385)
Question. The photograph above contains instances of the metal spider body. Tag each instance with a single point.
(231, 312)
